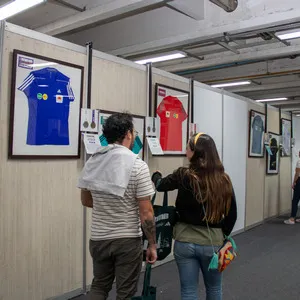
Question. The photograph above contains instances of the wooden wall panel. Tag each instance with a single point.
(255, 183)
(167, 164)
(272, 181)
(119, 88)
(40, 209)
(285, 180)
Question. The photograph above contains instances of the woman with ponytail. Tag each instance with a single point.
(207, 213)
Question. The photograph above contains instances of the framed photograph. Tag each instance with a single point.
(46, 99)
(172, 108)
(257, 124)
(286, 133)
(139, 126)
(273, 160)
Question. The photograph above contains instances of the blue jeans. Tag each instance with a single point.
(190, 258)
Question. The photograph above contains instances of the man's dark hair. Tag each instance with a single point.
(117, 126)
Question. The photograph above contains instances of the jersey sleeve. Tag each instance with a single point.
(70, 92)
(161, 109)
(144, 186)
(26, 84)
(183, 115)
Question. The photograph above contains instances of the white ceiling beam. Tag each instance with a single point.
(265, 54)
(231, 24)
(272, 94)
(97, 14)
(191, 9)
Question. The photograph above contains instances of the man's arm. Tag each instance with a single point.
(147, 219)
(148, 225)
(86, 198)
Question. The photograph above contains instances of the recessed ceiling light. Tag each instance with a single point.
(220, 85)
(289, 35)
(17, 6)
(161, 58)
(272, 99)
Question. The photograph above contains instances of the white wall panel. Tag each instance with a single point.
(208, 114)
(235, 124)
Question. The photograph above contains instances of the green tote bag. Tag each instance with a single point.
(149, 292)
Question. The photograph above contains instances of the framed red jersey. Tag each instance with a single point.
(172, 107)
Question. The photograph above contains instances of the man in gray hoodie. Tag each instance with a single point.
(116, 184)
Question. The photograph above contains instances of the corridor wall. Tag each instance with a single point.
(116, 87)
(208, 113)
(224, 116)
(285, 179)
(255, 182)
(167, 164)
(272, 181)
(235, 150)
(40, 214)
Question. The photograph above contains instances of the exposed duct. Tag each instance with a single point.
(227, 5)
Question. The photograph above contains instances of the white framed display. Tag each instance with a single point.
(257, 125)
(139, 126)
(172, 108)
(46, 99)
(273, 160)
(286, 133)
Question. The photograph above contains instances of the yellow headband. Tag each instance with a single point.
(197, 137)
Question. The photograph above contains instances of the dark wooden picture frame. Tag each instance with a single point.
(176, 91)
(26, 56)
(268, 160)
(259, 131)
(134, 117)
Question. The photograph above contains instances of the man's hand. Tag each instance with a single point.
(151, 254)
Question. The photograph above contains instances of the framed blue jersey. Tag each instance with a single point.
(256, 134)
(47, 97)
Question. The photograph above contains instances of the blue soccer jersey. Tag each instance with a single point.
(257, 134)
(49, 95)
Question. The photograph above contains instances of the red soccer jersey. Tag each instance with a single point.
(172, 114)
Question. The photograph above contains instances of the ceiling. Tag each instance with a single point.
(219, 46)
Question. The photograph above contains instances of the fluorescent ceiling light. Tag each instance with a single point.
(289, 35)
(43, 65)
(297, 115)
(160, 58)
(220, 85)
(272, 99)
(17, 6)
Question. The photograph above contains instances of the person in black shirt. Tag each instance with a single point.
(205, 195)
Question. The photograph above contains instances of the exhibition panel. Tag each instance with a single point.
(208, 113)
(235, 150)
(255, 185)
(272, 181)
(40, 232)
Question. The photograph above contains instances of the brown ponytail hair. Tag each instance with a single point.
(208, 180)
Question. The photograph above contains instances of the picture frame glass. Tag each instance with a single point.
(172, 108)
(45, 110)
(257, 124)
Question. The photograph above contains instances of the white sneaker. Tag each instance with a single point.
(289, 222)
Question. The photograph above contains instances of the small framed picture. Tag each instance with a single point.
(172, 108)
(139, 126)
(273, 156)
(46, 99)
(286, 134)
(257, 124)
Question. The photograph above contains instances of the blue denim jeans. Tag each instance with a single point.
(190, 259)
